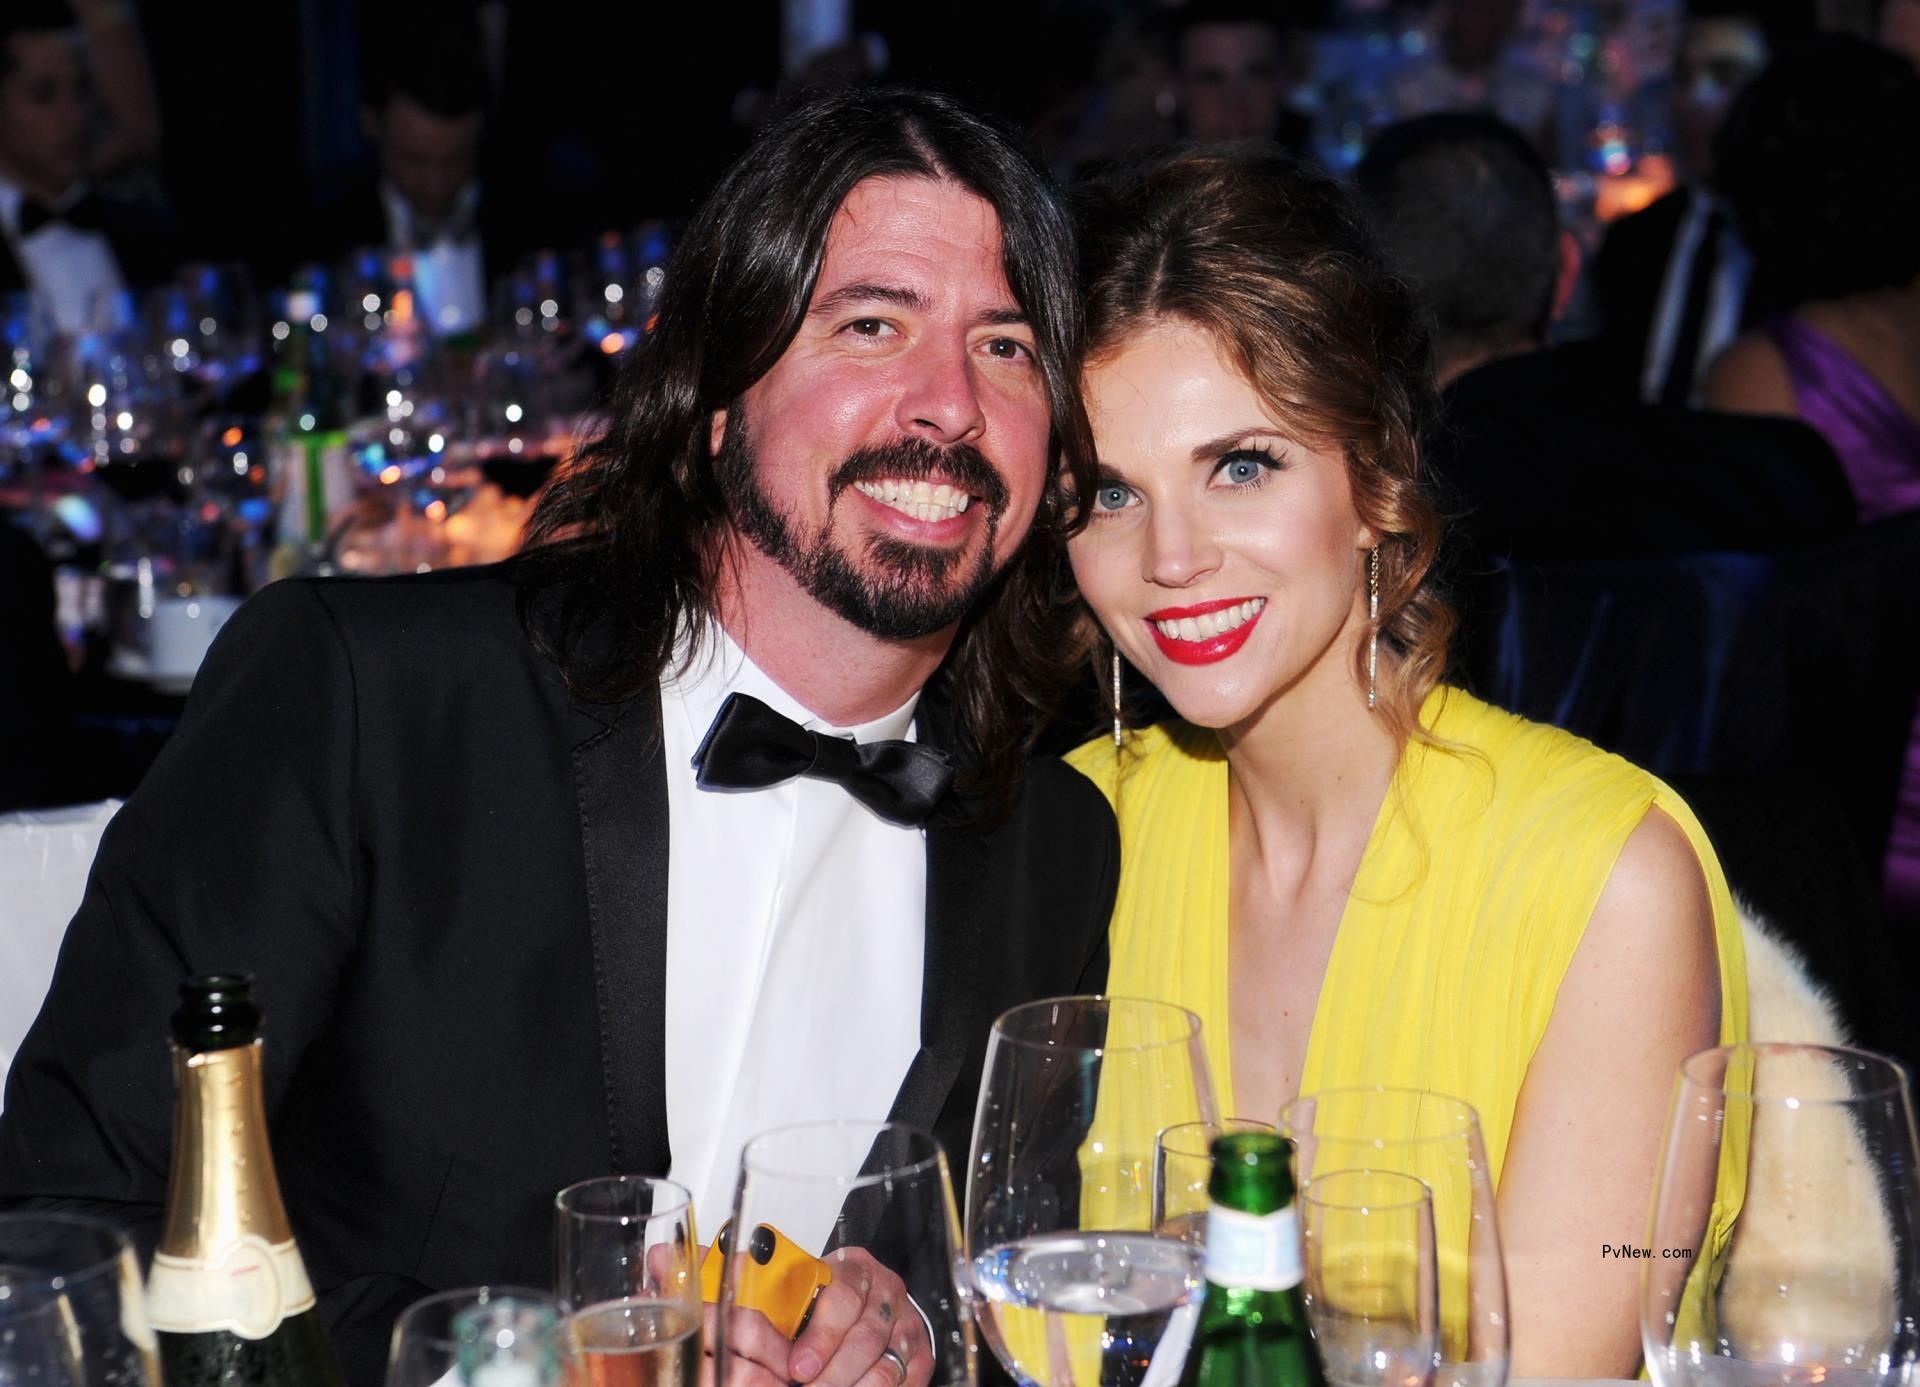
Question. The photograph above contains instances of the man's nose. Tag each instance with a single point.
(941, 401)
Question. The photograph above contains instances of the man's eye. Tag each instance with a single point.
(867, 327)
(1010, 349)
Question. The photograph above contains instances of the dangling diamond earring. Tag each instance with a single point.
(1119, 729)
(1373, 620)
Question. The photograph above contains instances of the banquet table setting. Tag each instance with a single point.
(1109, 1226)
(1118, 693)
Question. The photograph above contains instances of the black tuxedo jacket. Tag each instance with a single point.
(449, 878)
(1627, 274)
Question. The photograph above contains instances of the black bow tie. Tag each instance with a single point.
(83, 214)
(750, 747)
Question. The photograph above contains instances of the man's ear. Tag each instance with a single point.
(1568, 277)
(716, 430)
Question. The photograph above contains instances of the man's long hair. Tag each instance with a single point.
(628, 540)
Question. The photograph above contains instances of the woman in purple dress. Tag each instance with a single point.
(1821, 161)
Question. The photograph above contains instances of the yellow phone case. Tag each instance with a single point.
(776, 1277)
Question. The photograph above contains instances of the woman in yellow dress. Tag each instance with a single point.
(1353, 873)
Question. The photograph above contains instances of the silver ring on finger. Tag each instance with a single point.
(899, 1364)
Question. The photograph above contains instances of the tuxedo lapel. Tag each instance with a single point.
(621, 783)
(956, 864)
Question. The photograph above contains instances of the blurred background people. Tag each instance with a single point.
(1472, 62)
(1821, 162)
(1671, 282)
(1541, 462)
(76, 100)
(424, 112)
(1234, 65)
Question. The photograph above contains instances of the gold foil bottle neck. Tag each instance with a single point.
(222, 1185)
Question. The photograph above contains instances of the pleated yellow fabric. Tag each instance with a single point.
(1483, 868)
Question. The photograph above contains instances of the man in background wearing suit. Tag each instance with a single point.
(1542, 461)
(423, 109)
(568, 866)
(73, 249)
(1673, 284)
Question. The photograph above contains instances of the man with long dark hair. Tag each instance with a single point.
(569, 866)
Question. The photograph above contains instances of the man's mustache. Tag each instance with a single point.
(914, 460)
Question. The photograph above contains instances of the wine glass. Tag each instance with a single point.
(1371, 1279)
(1436, 1139)
(1784, 1245)
(870, 1201)
(625, 1237)
(1073, 1285)
(1182, 1168)
(71, 1309)
(476, 1337)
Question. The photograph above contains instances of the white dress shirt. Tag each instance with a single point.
(450, 272)
(796, 926)
(71, 273)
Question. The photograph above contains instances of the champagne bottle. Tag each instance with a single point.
(1253, 1328)
(228, 1292)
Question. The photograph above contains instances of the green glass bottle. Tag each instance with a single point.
(1253, 1321)
(228, 1293)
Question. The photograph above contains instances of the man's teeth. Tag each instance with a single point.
(1202, 628)
(921, 500)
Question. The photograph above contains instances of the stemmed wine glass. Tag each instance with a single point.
(1784, 1245)
(1436, 1139)
(71, 1309)
(1074, 1286)
(832, 1208)
(1371, 1278)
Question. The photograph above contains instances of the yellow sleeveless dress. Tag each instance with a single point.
(1476, 886)
(1486, 861)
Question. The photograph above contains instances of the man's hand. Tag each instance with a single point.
(859, 1324)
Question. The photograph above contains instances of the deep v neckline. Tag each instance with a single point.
(1220, 1048)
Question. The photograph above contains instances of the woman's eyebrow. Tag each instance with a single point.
(1227, 442)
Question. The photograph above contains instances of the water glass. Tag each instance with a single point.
(1371, 1280)
(1182, 1170)
(1436, 1139)
(1784, 1245)
(72, 1313)
(1074, 1284)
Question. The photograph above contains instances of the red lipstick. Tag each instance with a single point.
(1211, 648)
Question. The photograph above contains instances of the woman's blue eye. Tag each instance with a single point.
(1240, 471)
(1111, 498)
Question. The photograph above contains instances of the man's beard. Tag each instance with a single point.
(902, 591)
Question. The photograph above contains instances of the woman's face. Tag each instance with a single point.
(1223, 556)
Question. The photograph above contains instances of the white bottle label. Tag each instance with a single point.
(248, 1289)
(1253, 1252)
